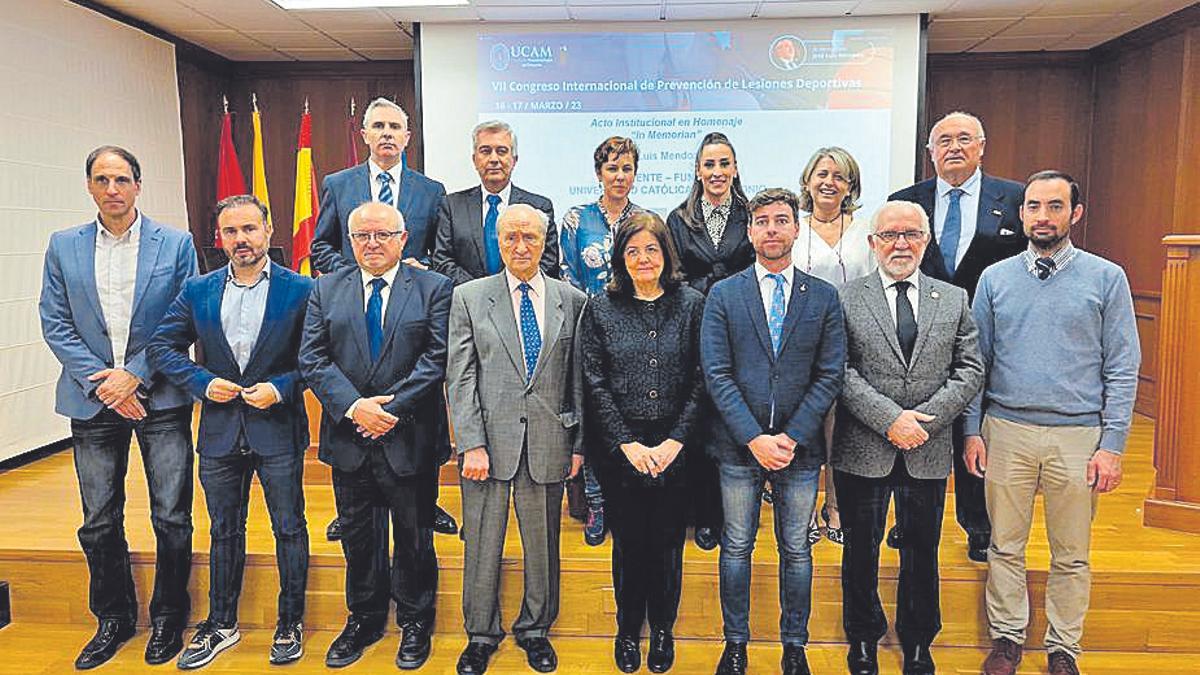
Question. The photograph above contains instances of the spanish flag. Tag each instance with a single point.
(260, 165)
(304, 224)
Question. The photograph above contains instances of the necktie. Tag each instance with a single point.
(491, 245)
(531, 337)
(906, 323)
(1045, 267)
(778, 311)
(385, 189)
(375, 318)
(951, 229)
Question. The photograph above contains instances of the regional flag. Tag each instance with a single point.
(304, 224)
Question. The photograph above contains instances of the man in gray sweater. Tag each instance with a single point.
(1060, 344)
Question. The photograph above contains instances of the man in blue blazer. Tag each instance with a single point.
(773, 348)
(976, 221)
(105, 288)
(247, 319)
(374, 353)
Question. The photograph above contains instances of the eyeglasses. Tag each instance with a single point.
(382, 237)
(907, 235)
(961, 139)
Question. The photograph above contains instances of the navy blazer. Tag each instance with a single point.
(195, 316)
(459, 248)
(998, 230)
(336, 363)
(758, 392)
(344, 191)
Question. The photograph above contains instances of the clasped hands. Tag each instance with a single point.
(906, 431)
(370, 419)
(118, 391)
(773, 452)
(652, 461)
(261, 395)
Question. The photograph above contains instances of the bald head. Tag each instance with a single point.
(956, 145)
(521, 234)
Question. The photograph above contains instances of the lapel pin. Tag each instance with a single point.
(803, 287)
(934, 295)
(997, 212)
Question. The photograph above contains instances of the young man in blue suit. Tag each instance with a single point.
(247, 318)
(773, 348)
(105, 287)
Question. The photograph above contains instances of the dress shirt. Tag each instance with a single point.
(386, 293)
(503, 195)
(1062, 257)
(116, 277)
(537, 295)
(242, 310)
(968, 204)
(890, 292)
(766, 286)
(395, 172)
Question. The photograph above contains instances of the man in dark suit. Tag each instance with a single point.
(247, 318)
(382, 178)
(912, 367)
(374, 353)
(976, 221)
(105, 287)
(773, 348)
(467, 246)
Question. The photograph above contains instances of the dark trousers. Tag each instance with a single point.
(863, 505)
(226, 482)
(970, 508)
(101, 461)
(704, 491)
(412, 579)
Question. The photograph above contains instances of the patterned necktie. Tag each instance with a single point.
(778, 311)
(385, 189)
(1045, 267)
(375, 318)
(951, 229)
(491, 245)
(531, 337)
(906, 322)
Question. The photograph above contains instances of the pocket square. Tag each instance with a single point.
(1004, 232)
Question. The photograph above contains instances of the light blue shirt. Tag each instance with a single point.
(969, 206)
(242, 311)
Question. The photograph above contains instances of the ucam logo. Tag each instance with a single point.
(525, 55)
(498, 57)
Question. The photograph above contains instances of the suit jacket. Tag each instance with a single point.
(703, 264)
(195, 316)
(459, 253)
(491, 402)
(758, 392)
(344, 191)
(943, 376)
(998, 230)
(73, 322)
(335, 361)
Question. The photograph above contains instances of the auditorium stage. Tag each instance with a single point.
(1145, 598)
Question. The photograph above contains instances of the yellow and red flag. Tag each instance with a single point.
(304, 223)
(260, 165)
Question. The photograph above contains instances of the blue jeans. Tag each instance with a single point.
(226, 482)
(101, 455)
(795, 492)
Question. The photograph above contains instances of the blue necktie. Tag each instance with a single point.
(385, 189)
(375, 318)
(778, 311)
(531, 337)
(951, 229)
(491, 245)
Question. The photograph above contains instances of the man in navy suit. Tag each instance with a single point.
(976, 221)
(105, 287)
(247, 318)
(374, 353)
(773, 348)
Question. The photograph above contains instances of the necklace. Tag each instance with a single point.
(838, 249)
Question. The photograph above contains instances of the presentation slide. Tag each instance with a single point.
(778, 89)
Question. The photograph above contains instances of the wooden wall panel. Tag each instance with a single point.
(1147, 307)
(200, 89)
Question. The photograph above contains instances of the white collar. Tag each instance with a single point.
(760, 272)
(388, 276)
(537, 283)
(969, 186)
(914, 278)
(504, 194)
(133, 234)
(395, 172)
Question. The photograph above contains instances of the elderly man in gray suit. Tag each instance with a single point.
(912, 366)
(515, 395)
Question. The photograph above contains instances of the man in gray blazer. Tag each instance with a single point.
(515, 394)
(912, 366)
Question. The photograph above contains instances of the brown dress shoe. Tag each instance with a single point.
(1062, 663)
(1004, 659)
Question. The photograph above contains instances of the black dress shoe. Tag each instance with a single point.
(707, 538)
(895, 537)
(474, 659)
(627, 654)
(977, 547)
(661, 656)
(443, 523)
(863, 658)
(166, 640)
(350, 643)
(414, 645)
(540, 654)
(917, 660)
(334, 531)
(795, 661)
(733, 659)
(110, 635)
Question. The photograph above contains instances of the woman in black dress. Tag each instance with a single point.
(641, 365)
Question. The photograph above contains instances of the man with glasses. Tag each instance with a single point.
(976, 222)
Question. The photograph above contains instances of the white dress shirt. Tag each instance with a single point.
(766, 286)
(395, 172)
(892, 294)
(116, 277)
(969, 206)
(503, 195)
(537, 295)
(386, 293)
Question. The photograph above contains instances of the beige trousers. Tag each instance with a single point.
(1021, 460)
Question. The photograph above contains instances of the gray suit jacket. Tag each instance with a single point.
(491, 403)
(945, 373)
